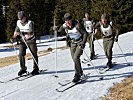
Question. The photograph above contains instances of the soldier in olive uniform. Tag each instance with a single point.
(89, 25)
(110, 34)
(25, 32)
(76, 37)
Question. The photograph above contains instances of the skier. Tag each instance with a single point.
(76, 37)
(110, 34)
(89, 25)
(25, 32)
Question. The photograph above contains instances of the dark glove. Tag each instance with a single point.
(82, 45)
(116, 39)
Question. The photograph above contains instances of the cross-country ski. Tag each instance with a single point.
(16, 78)
(69, 84)
(88, 60)
(106, 68)
(30, 75)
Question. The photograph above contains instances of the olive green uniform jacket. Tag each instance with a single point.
(76, 47)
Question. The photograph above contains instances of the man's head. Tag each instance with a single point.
(67, 16)
(104, 18)
(87, 15)
(22, 16)
(68, 19)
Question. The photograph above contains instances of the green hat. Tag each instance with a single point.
(21, 14)
(67, 16)
(104, 16)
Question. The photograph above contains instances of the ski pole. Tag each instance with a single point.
(96, 39)
(14, 47)
(55, 36)
(123, 54)
(29, 49)
(101, 77)
(89, 59)
(99, 44)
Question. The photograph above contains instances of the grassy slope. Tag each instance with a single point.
(121, 91)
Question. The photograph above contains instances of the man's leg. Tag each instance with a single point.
(108, 45)
(90, 40)
(33, 49)
(22, 53)
(77, 61)
(76, 52)
(109, 53)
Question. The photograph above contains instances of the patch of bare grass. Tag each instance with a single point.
(121, 91)
(14, 59)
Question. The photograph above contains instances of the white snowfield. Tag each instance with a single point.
(42, 86)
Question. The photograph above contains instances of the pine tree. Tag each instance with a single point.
(37, 10)
(11, 17)
(2, 31)
(41, 12)
(77, 8)
(123, 15)
(119, 11)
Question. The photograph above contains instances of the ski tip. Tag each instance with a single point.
(58, 90)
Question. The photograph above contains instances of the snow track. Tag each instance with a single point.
(42, 87)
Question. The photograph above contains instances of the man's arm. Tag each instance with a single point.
(116, 31)
(96, 26)
(83, 31)
(16, 32)
(31, 27)
(61, 30)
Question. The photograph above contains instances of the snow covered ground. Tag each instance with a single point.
(43, 44)
(42, 87)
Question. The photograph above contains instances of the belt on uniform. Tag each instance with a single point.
(76, 40)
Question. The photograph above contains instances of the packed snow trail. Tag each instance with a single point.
(43, 86)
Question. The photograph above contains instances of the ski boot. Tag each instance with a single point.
(109, 65)
(76, 78)
(92, 56)
(35, 72)
(21, 72)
